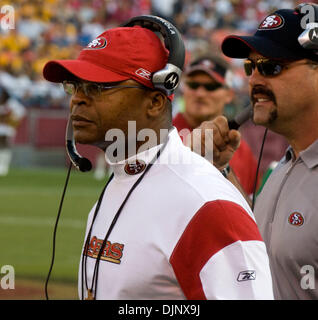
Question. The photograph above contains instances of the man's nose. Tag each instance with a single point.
(256, 79)
(200, 91)
(79, 98)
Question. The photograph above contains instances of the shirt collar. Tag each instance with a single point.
(134, 166)
(309, 155)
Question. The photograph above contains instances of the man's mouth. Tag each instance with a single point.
(262, 95)
(200, 102)
(79, 120)
(257, 99)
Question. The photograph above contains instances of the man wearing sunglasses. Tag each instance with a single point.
(283, 86)
(206, 91)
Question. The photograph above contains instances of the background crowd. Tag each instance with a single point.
(57, 29)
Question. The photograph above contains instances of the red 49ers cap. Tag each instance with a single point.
(276, 37)
(116, 55)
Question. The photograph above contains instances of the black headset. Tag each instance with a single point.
(166, 79)
(308, 39)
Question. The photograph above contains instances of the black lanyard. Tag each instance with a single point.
(87, 241)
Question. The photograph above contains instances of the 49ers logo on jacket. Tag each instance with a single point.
(113, 252)
(98, 43)
(271, 22)
(296, 219)
(135, 167)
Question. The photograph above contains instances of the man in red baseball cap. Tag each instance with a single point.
(160, 229)
(115, 71)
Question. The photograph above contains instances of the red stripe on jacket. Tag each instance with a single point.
(215, 225)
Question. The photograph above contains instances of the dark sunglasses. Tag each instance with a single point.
(207, 86)
(267, 67)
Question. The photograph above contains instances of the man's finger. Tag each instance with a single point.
(223, 127)
(234, 139)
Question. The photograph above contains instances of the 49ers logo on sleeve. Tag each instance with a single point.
(296, 219)
(272, 22)
(135, 167)
(113, 252)
(98, 43)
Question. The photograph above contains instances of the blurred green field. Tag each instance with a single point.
(29, 200)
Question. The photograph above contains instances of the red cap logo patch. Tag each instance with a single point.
(296, 219)
(98, 43)
(272, 22)
(143, 73)
(135, 167)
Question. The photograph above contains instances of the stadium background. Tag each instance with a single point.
(30, 193)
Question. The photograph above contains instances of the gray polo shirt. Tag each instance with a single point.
(287, 215)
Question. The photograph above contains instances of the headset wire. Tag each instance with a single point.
(257, 170)
(55, 231)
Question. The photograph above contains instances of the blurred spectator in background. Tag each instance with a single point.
(11, 114)
(58, 29)
(206, 91)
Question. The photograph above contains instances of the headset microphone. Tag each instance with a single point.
(238, 120)
(242, 117)
(81, 163)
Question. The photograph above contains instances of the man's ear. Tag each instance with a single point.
(157, 105)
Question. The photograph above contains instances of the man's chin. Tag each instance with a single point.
(264, 117)
(85, 139)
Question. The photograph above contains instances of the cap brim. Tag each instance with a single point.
(217, 77)
(241, 46)
(60, 70)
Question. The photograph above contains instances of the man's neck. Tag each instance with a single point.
(131, 146)
(301, 136)
(155, 138)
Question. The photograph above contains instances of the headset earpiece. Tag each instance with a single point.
(168, 78)
(308, 39)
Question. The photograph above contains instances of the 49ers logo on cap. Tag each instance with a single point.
(272, 22)
(296, 219)
(135, 167)
(98, 43)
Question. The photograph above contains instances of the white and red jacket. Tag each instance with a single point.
(184, 233)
